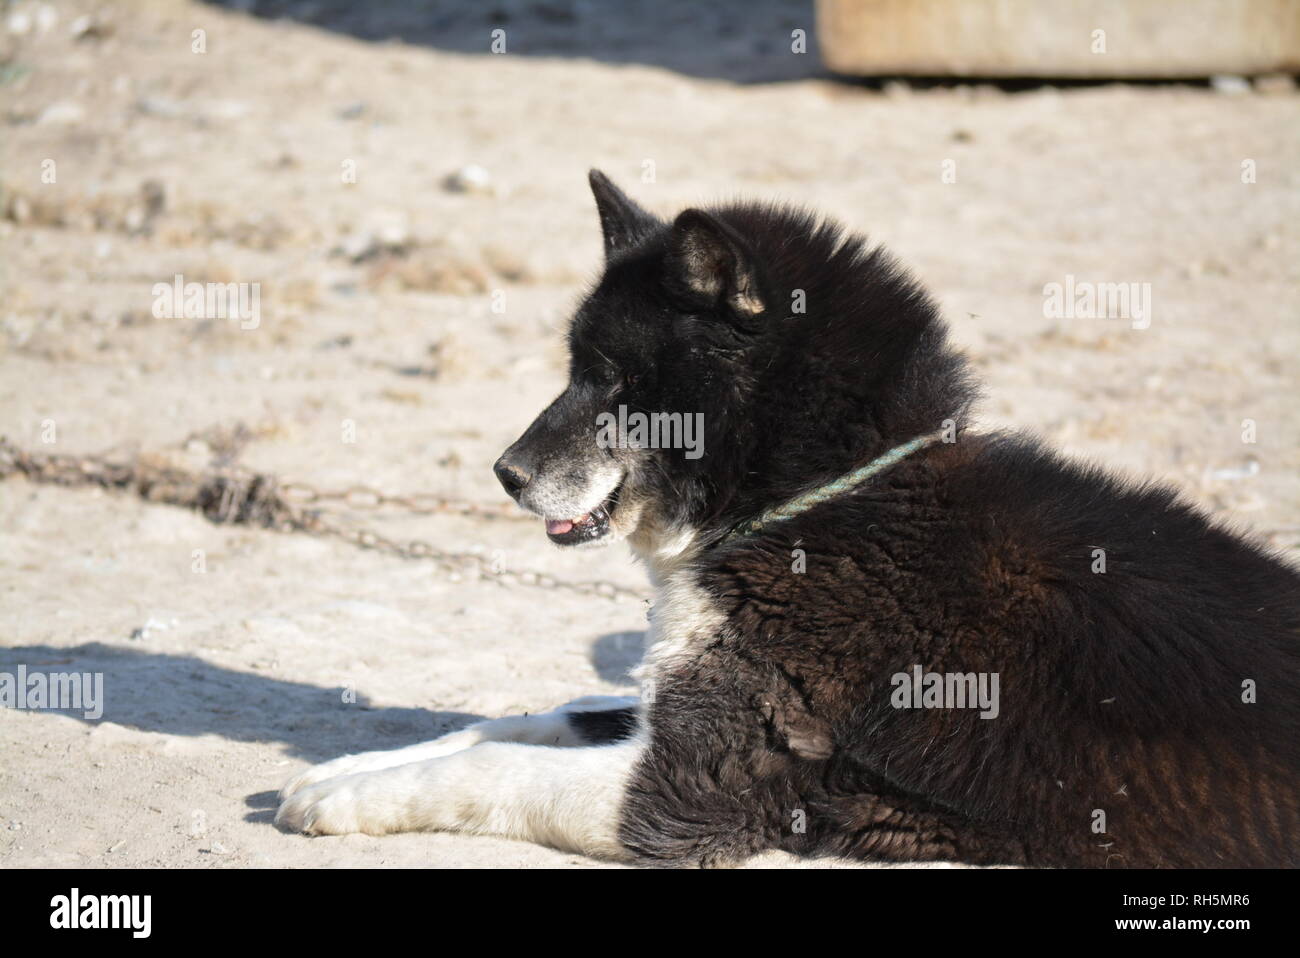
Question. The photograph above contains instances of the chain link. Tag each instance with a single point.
(237, 496)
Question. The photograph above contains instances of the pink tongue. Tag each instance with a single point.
(558, 527)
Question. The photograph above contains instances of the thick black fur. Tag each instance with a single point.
(1121, 692)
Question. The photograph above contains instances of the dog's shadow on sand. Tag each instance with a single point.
(615, 654)
(184, 695)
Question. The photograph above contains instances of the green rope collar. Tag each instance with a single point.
(845, 483)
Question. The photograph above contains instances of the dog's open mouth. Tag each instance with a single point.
(588, 527)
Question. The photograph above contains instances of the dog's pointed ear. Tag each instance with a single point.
(711, 262)
(622, 222)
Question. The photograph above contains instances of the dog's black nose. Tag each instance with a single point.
(513, 478)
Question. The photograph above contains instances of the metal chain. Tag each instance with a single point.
(232, 495)
(365, 498)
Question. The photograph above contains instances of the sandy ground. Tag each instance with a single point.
(377, 309)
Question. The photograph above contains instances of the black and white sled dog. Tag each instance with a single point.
(874, 634)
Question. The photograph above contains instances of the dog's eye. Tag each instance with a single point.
(631, 379)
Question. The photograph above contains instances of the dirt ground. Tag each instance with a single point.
(429, 318)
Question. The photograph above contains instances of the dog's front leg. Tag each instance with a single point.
(591, 720)
(568, 798)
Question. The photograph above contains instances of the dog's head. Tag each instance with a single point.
(700, 391)
(625, 447)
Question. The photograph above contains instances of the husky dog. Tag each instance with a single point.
(874, 634)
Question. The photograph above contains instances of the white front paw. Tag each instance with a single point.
(334, 807)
